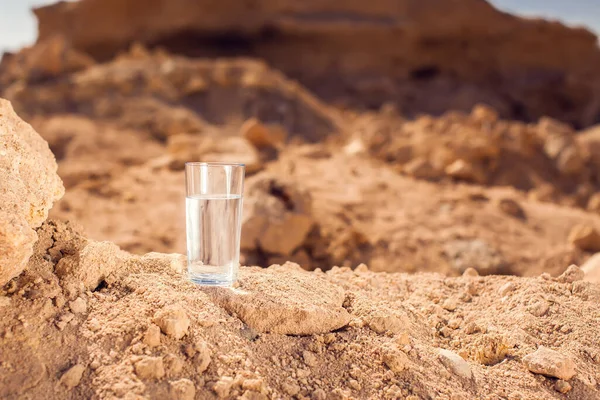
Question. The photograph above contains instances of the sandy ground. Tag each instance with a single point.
(486, 215)
(88, 321)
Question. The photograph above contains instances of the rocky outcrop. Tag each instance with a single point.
(399, 51)
(165, 96)
(29, 185)
(49, 58)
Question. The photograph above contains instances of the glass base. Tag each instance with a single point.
(211, 279)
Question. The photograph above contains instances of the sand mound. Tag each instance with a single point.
(144, 332)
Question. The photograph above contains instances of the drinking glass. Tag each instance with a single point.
(213, 208)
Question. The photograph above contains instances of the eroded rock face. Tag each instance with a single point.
(413, 49)
(29, 185)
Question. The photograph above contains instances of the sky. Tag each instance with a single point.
(18, 25)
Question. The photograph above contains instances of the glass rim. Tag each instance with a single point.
(213, 164)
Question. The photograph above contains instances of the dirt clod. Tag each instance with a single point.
(182, 389)
(173, 321)
(72, 376)
(150, 368)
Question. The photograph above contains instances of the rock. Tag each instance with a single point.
(197, 147)
(48, 58)
(309, 358)
(484, 114)
(507, 288)
(285, 300)
(152, 336)
(173, 321)
(594, 203)
(470, 272)
(421, 168)
(585, 237)
(182, 389)
(449, 305)
(560, 146)
(571, 161)
(290, 387)
(327, 34)
(277, 215)
(591, 269)
(150, 368)
(72, 376)
(511, 207)
(29, 185)
(550, 363)
(387, 322)
(203, 356)
(78, 306)
(262, 136)
(395, 359)
(463, 170)
(5, 302)
(354, 147)
(455, 363)
(562, 386)
(539, 308)
(572, 274)
(475, 254)
(319, 394)
(223, 386)
(548, 127)
(97, 262)
(173, 365)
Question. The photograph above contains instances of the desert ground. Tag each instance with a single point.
(422, 223)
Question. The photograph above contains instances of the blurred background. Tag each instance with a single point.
(429, 135)
(18, 27)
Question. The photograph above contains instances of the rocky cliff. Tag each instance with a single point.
(424, 56)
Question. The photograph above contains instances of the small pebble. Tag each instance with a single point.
(309, 358)
(572, 274)
(173, 321)
(470, 272)
(152, 336)
(449, 304)
(455, 363)
(562, 386)
(72, 376)
(78, 306)
(396, 360)
(507, 288)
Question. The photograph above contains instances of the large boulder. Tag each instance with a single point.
(29, 185)
(427, 56)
